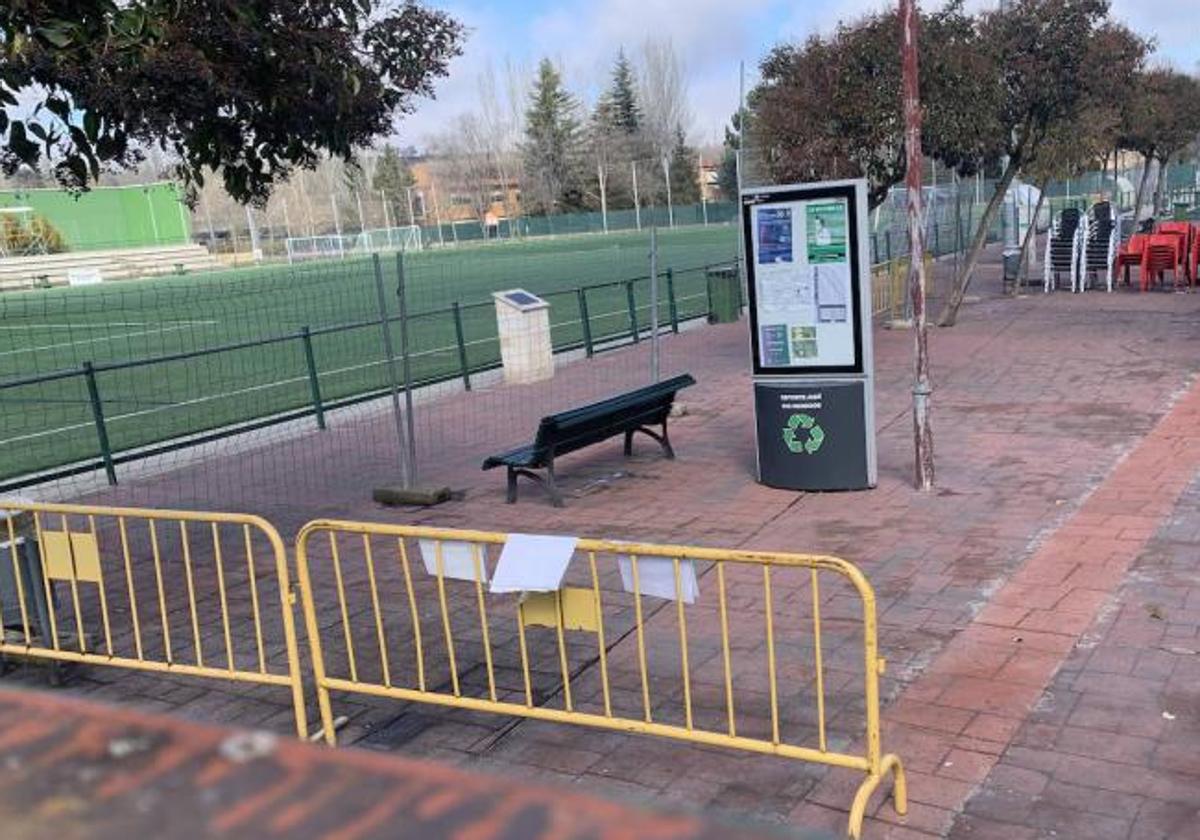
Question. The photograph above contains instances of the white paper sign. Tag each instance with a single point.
(533, 563)
(656, 576)
(458, 559)
(83, 276)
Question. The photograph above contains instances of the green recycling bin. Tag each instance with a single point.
(724, 294)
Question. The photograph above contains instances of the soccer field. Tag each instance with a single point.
(178, 321)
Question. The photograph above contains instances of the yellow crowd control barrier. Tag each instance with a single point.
(771, 653)
(162, 591)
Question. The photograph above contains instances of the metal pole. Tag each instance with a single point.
(737, 159)
(406, 367)
(703, 194)
(255, 242)
(631, 302)
(637, 204)
(603, 195)
(437, 213)
(463, 366)
(922, 390)
(387, 222)
(654, 353)
(412, 219)
(672, 305)
(667, 177)
(585, 321)
(362, 219)
(314, 384)
(406, 476)
(337, 225)
(110, 470)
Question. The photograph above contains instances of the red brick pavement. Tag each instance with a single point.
(957, 720)
(1037, 401)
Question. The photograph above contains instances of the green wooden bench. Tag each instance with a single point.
(572, 430)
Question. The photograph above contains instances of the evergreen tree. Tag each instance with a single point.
(552, 145)
(727, 177)
(618, 107)
(393, 178)
(685, 171)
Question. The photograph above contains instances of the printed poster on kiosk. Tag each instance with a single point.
(804, 299)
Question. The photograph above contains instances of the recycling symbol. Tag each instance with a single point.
(802, 434)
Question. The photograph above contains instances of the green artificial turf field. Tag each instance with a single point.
(51, 423)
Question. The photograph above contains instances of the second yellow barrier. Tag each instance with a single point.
(766, 652)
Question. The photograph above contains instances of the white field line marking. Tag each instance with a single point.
(99, 340)
(104, 326)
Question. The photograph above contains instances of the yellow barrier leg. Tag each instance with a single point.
(899, 793)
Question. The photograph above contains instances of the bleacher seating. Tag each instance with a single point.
(123, 264)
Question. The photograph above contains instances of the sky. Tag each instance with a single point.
(711, 36)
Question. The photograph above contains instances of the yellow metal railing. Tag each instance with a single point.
(404, 612)
(102, 586)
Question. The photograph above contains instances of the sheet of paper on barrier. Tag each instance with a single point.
(458, 559)
(533, 563)
(656, 576)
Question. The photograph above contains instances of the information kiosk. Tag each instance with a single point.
(808, 277)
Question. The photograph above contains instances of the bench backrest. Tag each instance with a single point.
(576, 428)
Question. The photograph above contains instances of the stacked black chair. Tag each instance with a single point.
(1062, 249)
(1100, 239)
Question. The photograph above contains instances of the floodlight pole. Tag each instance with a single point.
(637, 203)
(922, 390)
(603, 194)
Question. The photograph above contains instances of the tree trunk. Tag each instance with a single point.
(949, 312)
(1030, 235)
(922, 386)
(1160, 187)
(1141, 190)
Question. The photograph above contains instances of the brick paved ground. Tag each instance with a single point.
(1057, 461)
(1109, 749)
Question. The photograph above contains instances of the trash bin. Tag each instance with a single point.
(724, 294)
(29, 566)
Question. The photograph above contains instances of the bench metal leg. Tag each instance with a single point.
(551, 486)
(511, 498)
(663, 440)
(547, 482)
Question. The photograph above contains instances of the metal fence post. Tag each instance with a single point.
(887, 241)
(673, 307)
(406, 368)
(110, 470)
(633, 322)
(655, 362)
(462, 347)
(313, 383)
(584, 321)
(406, 475)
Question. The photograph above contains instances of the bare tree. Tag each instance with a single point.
(662, 93)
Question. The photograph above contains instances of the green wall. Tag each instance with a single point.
(110, 217)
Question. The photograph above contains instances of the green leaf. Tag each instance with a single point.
(59, 36)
